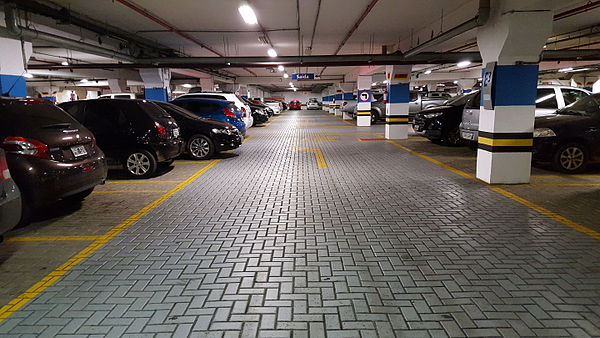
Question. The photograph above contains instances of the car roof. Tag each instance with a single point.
(560, 86)
(202, 99)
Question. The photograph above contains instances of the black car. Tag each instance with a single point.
(570, 140)
(50, 155)
(440, 124)
(203, 137)
(135, 134)
(260, 112)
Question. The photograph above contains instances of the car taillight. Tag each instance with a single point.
(25, 146)
(243, 109)
(4, 172)
(345, 103)
(228, 112)
(162, 131)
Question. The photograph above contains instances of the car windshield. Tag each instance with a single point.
(587, 106)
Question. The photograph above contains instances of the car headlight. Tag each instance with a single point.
(432, 115)
(222, 131)
(543, 132)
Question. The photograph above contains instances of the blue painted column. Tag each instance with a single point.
(156, 83)
(12, 69)
(396, 119)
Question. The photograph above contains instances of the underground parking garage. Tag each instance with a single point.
(318, 168)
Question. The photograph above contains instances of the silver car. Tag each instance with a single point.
(10, 198)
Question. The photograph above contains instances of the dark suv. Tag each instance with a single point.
(134, 134)
(50, 155)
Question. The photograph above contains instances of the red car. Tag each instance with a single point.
(295, 105)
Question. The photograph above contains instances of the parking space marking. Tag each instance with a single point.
(55, 275)
(149, 181)
(321, 163)
(125, 191)
(567, 176)
(558, 185)
(191, 162)
(529, 204)
(52, 238)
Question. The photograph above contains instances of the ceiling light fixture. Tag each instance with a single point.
(280, 68)
(463, 64)
(295, 89)
(272, 53)
(186, 85)
(28, 75)
(428, 71)
(565, 70)
(65, 63)
(285, 75)
(291, 84)
(247, 14)
(83, 80)
(455, 82)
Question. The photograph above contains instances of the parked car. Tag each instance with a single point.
(10, 198)
(218, 110)
(276, 106)
(417, 102)
(259, 112)
(441, 124)
(244, 108)
(51, 156)
(136, 135)
(549, 99)
(313, 104)
(258, 101)
(203, 137)
(295, 105)
(118, 96)
(570, 139)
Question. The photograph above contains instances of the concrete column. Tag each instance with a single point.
(207, 84)
(331, 104)
(347, 97)
(512, 41)
(339, 96)
(364, 97)
(13, 59)
(156, 83)
(117, 85)
(396, 119)
(48, 93)
(466, 85)
(596, 87)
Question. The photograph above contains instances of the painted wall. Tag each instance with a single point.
(302, 96)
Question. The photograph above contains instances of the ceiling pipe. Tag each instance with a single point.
(480, 19)
(15, 31)
(353, 29)
(578, 10)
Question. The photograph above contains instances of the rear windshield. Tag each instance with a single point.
(153, 110)
(587, 106)
(31, 114)
(459, 100)
(173, 109)
(206, 96)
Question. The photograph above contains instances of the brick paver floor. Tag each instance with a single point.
(379, 243)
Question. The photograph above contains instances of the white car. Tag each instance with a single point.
(117, 96)
(276, 106)
(313, 105)
(238, 101)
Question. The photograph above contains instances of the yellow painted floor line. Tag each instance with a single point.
(192, 162)
(558, 185)
(246, 139)
(529, 204)
(52, 238)
(567, 176)
(149, 181)
(321, 163)
(124, 191)
(53, 276)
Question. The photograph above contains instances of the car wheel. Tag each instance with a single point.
(78, 197)
(140, 163)
(452, 137)
(571, 158)
(200, 147)
(374, 117)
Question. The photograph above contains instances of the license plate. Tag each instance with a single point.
(468, 136)
(78, 151)
(176, 132)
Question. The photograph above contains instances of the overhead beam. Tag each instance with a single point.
(320, 60)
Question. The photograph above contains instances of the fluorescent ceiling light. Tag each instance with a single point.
(28, 75)
(373, 84)
(83, 80)
(291, 84)
(186, 85)
(65, 63)
(280, 68)
(565, 70)
(178, 92)
(463, 64)
(580, 70)
(455, 82)
(285, 75)
(295, 89)
(247, 14)
(272, 53)
(428, 71)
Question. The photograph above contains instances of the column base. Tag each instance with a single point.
(503, 167)
(347, 116)
(338, 112)
(363, 121)
(396, 131)
(331, 111)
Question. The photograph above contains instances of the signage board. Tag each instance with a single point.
(303, 76)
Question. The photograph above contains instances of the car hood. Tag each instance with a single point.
(441, 109)
(557, 121)
(213, 123)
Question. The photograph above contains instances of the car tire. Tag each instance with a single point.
(78, 197)
(452, 137)
(374, 117)
(140, 163)
(571, 158)
(200, 147)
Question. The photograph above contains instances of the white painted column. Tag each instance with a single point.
(207, 84)
(117, 85)
(12, 67)
(466, 85)
(347, 97)
(513, 39)
(396, 119)
(331, 109)
(364, 97)
(596, 87)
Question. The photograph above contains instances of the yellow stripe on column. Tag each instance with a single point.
(506, 142)
(396, 119)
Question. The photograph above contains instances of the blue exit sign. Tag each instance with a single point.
(303, 76)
